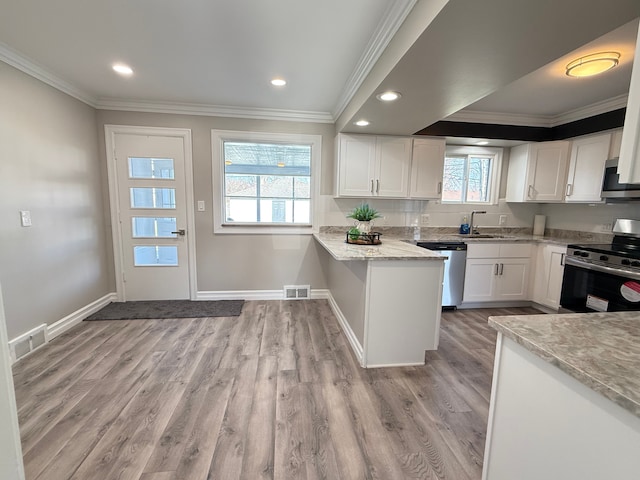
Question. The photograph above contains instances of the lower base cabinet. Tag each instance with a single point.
(549, 270)
(497, 272)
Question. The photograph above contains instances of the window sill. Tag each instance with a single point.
(257, 229)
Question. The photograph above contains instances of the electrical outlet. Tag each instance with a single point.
(503, 220)
(605, 227)
(383, 221)
(424, 219)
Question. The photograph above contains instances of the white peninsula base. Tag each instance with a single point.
(545, 424)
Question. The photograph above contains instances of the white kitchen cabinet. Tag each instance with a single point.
(629, 163)
(616, 143)
(427, 166)
(586, 168)
(538, 172)
(373, 166)
(549, 270)
(497, 272)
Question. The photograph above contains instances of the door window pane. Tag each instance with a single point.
(153, 227)
(140, 167)
(155, 255)
(153, 197)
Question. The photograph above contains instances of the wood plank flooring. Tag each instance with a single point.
(273, 394)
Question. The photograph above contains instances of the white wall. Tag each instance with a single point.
(49, 166)
(231, 261)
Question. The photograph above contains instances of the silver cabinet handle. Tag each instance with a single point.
(371, 185)
(530, 189)
(439, 187)
(182, 232)
(569, 191)
(501, 268)
(495, 270)
(377, 186)
(562, 259)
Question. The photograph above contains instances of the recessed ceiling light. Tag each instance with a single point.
(278, 82)
(483, 142)
(388, 96)
(122, 69)
(362, 123)
(593, 64)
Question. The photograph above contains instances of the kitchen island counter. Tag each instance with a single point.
(566, 388)
(387, 298)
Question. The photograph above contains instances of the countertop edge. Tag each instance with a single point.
(577, 373)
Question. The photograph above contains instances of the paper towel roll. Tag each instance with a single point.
(538, 224)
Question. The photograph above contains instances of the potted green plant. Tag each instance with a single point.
(364, 214)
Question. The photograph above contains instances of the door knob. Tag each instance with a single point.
(182, 232)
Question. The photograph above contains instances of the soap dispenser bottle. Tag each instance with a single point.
(464, 226)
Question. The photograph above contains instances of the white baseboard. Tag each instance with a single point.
(79, 315)
(317, 293)
(346, 328)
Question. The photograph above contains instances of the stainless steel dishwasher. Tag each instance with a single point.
(454, 268)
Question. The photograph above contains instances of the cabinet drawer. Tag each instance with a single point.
(499, 250)
(515, 250)
(483, 250)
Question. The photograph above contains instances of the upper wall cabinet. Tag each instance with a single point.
(586, 168)
(427, 165)
(538, 172)
(373, 166)
(629, 163)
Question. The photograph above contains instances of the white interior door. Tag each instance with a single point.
(153, 214)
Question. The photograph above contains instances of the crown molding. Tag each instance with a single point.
(591, 110)
(214, 110)
(499, 118)
(393, 18)
(31, 68)
(547, 121)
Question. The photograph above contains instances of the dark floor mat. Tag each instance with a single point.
(153, 309)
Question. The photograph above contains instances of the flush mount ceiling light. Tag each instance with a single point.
(593, 64)
(362, 123)
(278, 82)
(388, 96)
(122, 69)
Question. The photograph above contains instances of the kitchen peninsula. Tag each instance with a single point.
(386, 297)
(565, 400)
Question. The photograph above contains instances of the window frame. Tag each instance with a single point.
(218, 137)
(496, 170)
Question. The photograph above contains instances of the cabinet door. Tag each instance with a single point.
(586, 168)
(629, 163)
(513, 279)
(547, 171)
(548, 275)
(427, 166)
(480, 279)
(393, 158)
(356, 163)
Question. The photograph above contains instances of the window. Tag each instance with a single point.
(267, 181)
(471, 175)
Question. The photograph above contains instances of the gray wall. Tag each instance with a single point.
(231, 261)
(49, 165)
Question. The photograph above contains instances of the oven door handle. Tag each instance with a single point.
(601, 268)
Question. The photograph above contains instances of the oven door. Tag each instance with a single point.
(596, 288)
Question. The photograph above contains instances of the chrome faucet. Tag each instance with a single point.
(473, 229)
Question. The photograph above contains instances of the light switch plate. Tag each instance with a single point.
(25, 218)
(201, 205)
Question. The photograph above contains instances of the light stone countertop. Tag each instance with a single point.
(600, 350)
(390, 249)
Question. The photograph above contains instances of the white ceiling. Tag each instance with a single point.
(217, 57)
(203, 52)
(546, 96)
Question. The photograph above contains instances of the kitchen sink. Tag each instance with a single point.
(483, 235)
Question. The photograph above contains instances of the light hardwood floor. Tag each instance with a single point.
(273, 394)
